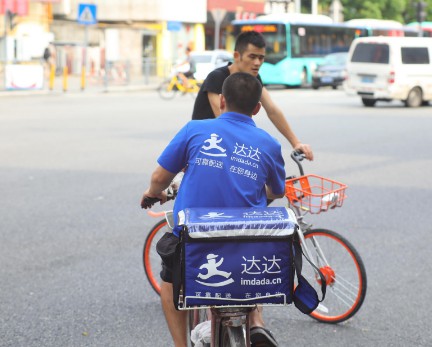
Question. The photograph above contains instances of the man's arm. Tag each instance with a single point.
(160, 180)
(214, 100)
(277, 118)
(271, 195)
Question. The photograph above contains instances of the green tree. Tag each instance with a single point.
(410, 13)
(404, 11)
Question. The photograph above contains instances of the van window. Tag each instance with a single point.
(415, 55)
(376, 53)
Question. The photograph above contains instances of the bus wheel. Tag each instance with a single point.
(369, 102)
(415, 98)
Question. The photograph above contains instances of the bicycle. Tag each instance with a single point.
(169, 88)
(333, 254)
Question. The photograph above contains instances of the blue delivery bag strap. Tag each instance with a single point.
(305, 296)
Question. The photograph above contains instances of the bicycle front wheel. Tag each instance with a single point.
(344, 271)
(151, 259)
(167, 90)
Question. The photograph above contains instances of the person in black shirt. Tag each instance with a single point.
(249, 54)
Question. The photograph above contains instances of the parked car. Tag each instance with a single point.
(331, 72)
(390, 68)
(207, 61)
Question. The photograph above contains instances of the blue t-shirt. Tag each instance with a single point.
(229, 160)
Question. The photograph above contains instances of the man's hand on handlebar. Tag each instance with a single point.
(305, 149)
(148, 200)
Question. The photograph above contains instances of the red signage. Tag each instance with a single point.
(19, 7)
(251, 6)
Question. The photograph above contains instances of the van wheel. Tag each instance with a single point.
(415, 98)
(369, 102)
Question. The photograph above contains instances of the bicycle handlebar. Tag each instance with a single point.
(149, 202)
(298, 157)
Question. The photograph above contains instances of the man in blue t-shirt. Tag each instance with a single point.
(229, 163)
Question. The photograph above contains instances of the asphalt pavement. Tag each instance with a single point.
(74, 85)
(73, 167)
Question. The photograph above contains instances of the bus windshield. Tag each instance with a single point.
(275, 38)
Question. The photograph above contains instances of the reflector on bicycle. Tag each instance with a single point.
(236, 257)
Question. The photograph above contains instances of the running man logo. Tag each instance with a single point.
(215, 215)
(212, 270)
(212, 148)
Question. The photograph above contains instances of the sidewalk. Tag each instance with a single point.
(73, 85)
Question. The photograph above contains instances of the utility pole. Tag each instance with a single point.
(298, 6)
(421, 15)
(218, 16)
(5, 38)
(314, 7)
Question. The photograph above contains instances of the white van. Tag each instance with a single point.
(390, 68)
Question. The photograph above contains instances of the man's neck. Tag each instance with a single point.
(233, 68)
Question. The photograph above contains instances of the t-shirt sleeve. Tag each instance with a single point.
(214, 82)
(174, 156)
(276, 177)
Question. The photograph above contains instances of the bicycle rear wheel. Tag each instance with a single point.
(344, 271)
(151, 259)
(167, 90)
(232, 336)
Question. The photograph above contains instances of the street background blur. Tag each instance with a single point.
(121, 42)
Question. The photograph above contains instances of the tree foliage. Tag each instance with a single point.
(404, 11)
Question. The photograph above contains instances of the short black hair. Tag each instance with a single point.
(242, 92)
(249, 37)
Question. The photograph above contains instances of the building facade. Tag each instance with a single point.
(225, 11)
(24, 27)
(142, 34)
(147, 36)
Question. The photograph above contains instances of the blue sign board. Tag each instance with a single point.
(174, 26)
(87, 14)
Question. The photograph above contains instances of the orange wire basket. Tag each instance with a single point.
(315, 194)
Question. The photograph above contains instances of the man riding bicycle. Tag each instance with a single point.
(249, 54)
(215, 177)
(189, 68)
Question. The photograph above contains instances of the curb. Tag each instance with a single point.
(127, 88)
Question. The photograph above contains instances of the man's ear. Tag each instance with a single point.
(256, 109)
(236, 55)
(222, 103)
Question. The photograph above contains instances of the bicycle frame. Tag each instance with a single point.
(229, 317)
(175, 83)
(168, 215)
